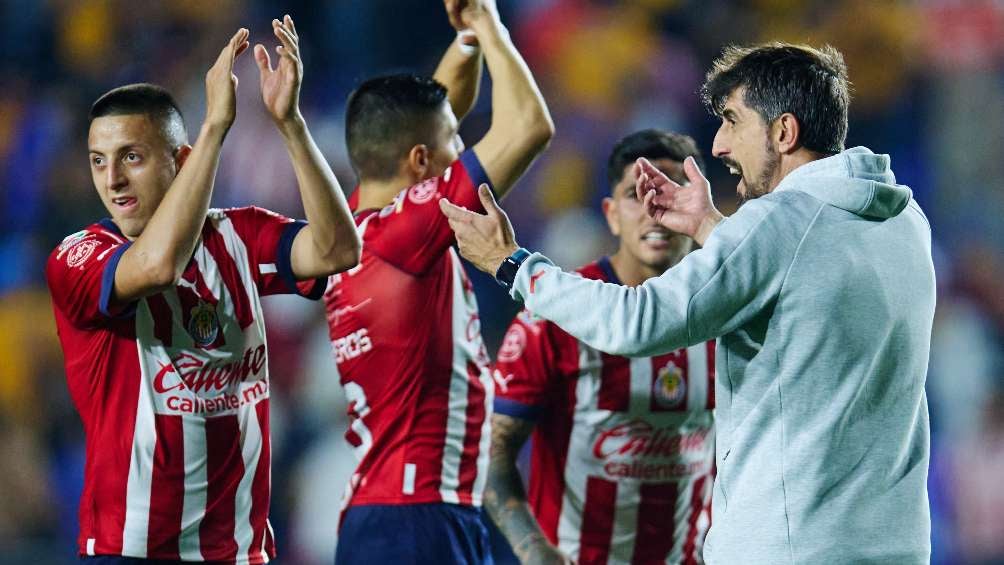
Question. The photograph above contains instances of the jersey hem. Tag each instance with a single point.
(475, 501)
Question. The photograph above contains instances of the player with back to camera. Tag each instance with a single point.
(159, 314)
(404, 324)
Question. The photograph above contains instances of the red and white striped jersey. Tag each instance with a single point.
(406, 337)
(173, 390)
(622, 462)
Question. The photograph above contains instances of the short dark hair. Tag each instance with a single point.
(778, 77)
(385, 117)
(651, 144)
(148, 99)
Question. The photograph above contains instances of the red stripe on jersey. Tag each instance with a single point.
(552, 437)
(163, 318)
(260, 484)
(711, 374)
(213, 240)
(113, 418)
(615, 383)
(597, 520)
(678, 358)
(656, 522)
(168, 495)
(472, 434)
(696, 509)
(224, 469)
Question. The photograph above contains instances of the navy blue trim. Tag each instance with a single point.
(284, 262)
(608, 269)
(111, 226)
(108, 284)
(516, 409)
(477, 173)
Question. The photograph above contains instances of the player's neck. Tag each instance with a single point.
(380, 193)
(630, 271)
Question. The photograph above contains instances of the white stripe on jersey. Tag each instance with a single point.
(137, 517)
(244, 533)
(625, 519)
(239, 252)
(484, 446)
(194, 504)
(697, 361)
(641, 385)
(456, 418)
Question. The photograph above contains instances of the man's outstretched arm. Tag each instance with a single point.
(713, 291)
(329, 244)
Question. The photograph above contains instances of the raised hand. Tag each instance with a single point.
(463, 13)
(221, 83)
(686, 208)
(280, 87)
(484, 239)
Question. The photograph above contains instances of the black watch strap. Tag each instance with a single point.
(506, 274)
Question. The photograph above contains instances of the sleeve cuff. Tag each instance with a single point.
(528, 276)
(476, 171)
(516, 409)
(108, 285)
(284, 263)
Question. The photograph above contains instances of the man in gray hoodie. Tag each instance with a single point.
(821, 290)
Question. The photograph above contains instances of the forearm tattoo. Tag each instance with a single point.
(505, 499)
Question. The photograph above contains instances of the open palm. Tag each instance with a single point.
(280, 87)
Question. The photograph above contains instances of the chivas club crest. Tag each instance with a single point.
(203, 325)
(669, 388)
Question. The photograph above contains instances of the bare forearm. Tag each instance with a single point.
(519, 100)
(169, 238)
(521, 125)
(460, 73)
(332, 230)
(506, 503)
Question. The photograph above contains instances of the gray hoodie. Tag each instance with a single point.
(822, 294)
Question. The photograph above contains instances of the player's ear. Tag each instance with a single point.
(418, 161)
(610, 213)
(180, 156)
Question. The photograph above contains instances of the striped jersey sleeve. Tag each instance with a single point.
(269, 238)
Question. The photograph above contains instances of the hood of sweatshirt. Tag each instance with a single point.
(855, 180)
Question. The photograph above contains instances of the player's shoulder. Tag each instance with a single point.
(600, 269)
(237, 212)
(78, 247)
(92, 236)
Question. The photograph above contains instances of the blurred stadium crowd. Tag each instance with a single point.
(929, 90)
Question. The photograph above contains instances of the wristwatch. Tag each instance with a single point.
(506, 274)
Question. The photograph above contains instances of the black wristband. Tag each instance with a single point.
(506, 274)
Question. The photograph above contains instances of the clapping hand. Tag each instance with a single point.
(280, 87)
(221, 83)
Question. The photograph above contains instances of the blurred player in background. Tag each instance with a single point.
(623, 449)
(822, 290)
(404, 324)
(159, 314)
